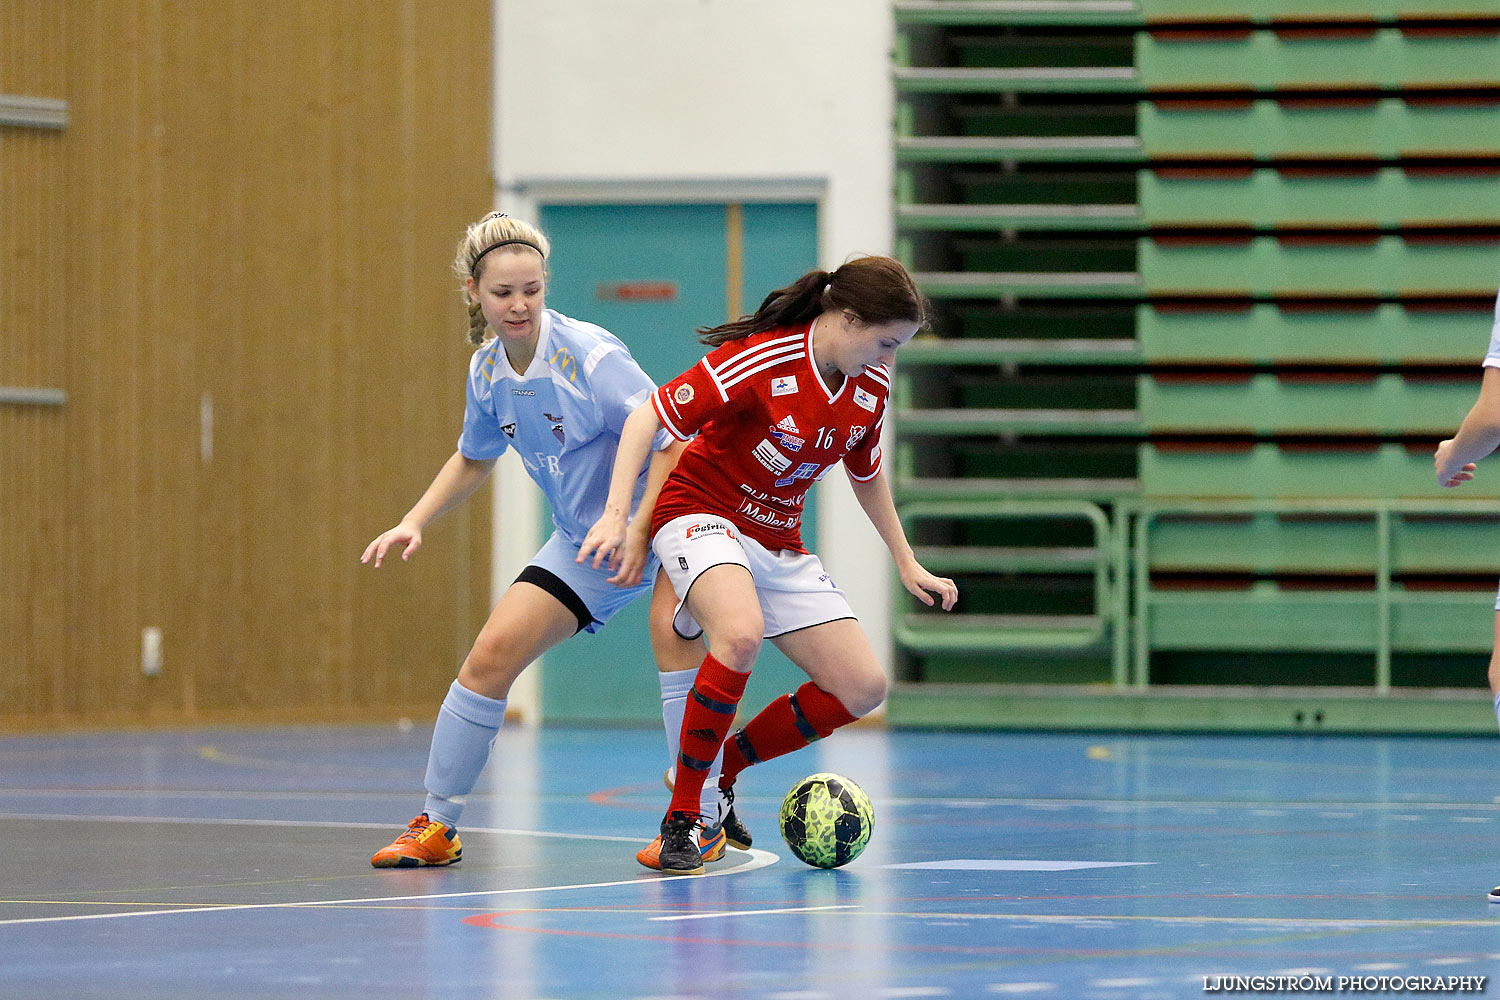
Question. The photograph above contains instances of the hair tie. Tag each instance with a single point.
(474, 267)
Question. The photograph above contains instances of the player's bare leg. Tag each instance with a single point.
(838, 657)
(724, 603)
(846, 683)
(1495, 691)
(525, 623)
(677, 661)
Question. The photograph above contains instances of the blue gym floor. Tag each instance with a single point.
(234, 862)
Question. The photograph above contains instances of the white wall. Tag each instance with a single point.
(694, 95)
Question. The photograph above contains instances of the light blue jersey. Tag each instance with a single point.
(1492, 358)
(563, 416)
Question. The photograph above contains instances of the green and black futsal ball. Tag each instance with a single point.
(826, 820)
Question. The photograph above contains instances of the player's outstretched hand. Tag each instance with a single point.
(632, 556)
(403, 534)
(1462, 476)
(1442, 461)
(924, 586)
(605, 540)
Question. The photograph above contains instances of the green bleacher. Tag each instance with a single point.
(1212, 279)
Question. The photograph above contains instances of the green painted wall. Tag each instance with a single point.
(610, 675)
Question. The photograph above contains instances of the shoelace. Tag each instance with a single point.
(415, 829)
(684, 822)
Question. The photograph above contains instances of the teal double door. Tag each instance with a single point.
(651, 274)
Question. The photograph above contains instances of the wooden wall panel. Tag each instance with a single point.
(34, 514)
(259, 212)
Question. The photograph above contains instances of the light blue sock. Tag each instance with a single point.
(1497, 708)
(461, 742)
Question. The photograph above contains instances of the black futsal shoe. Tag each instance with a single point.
(680, 854)
(734, 830)
(1494, 894)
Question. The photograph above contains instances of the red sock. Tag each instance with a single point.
(709, 713)
(789, 723)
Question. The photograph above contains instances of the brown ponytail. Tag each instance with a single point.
(876, 289)
(797, 303)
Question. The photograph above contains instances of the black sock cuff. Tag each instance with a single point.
(803, 726)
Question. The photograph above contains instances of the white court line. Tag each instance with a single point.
(758, 859)
(209, 821)
(257, 794)
(750, 913)
(1316, 923)
(1021, 987)
(963, 803)
(1012, 865)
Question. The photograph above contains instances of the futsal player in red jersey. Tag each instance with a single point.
(785, 395)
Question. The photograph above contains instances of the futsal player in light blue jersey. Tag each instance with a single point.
(556, 391)
(1455, 462)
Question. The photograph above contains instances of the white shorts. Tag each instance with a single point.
(795, 591)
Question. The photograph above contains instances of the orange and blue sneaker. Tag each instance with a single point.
(711, 845)
(425, 842)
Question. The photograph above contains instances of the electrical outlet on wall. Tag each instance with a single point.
(151, 650)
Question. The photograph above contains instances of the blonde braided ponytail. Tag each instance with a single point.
(478, 329)
(495, 233)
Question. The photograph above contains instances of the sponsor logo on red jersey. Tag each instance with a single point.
(702, 528)
(754, 472)
(766, 454)
(807, 470)
(769, 518)
(790, 442)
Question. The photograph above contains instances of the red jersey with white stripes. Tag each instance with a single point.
(771, 427)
